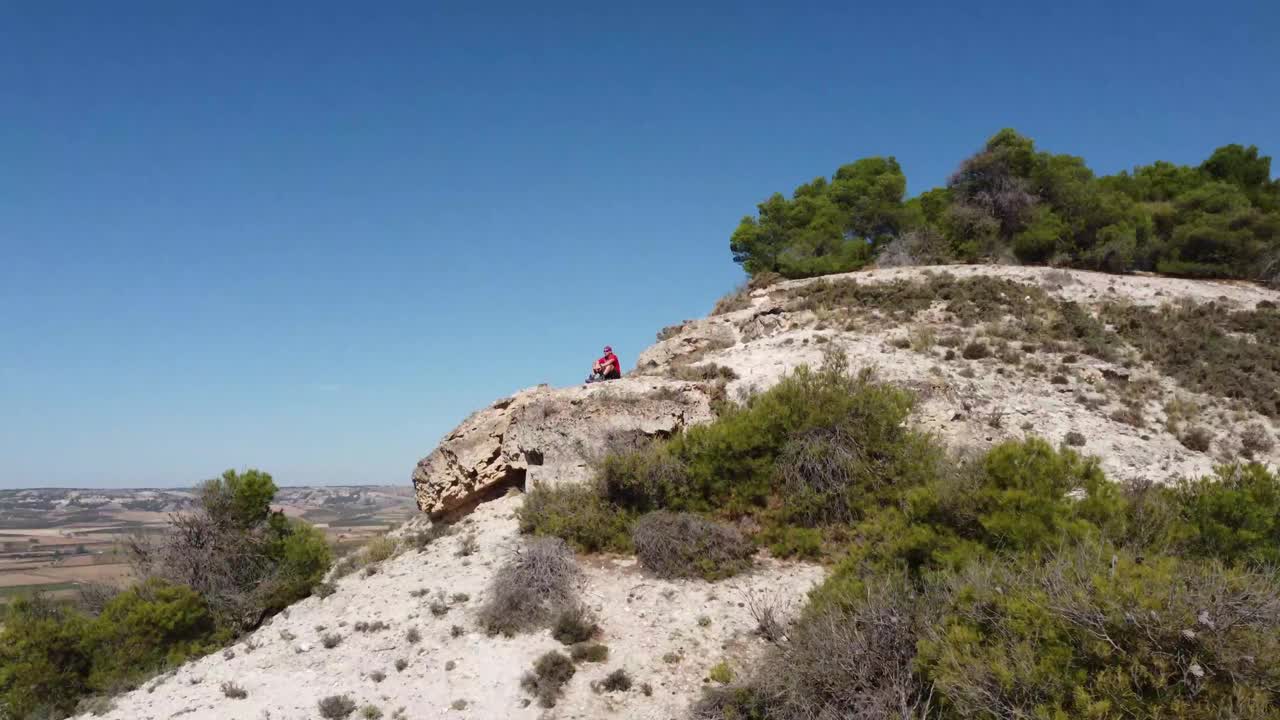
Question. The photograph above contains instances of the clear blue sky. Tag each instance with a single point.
(311, 238)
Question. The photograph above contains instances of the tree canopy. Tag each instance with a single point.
(1011, 200)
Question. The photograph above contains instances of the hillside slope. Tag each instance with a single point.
(1091, 360)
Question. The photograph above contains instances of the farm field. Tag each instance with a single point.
(56, 540)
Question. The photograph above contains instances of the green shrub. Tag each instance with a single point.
(50, 657)
(304, 559)
(577, 514)
(1233, 515)
(147, 628)
(687, 545)
(788, 541)
(44, 665)
(1096, 633)
(730, 463)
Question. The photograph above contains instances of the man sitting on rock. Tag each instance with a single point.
(606, 368)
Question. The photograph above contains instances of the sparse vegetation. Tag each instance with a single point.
(371, 712)
(330, 640)
(412, 636)
(377, 676)
(401, 664)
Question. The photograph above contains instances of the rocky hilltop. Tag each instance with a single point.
(1159, 378)
(992, 367)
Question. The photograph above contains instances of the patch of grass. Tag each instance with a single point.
(371, 712)
(413, 636)
(1075, 439)
(401, 664)
(234, 691)
(721, 673)
(377, 676)
(687, 545)
(331, 640)
(975, 351)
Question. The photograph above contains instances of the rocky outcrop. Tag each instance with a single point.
(545, 435)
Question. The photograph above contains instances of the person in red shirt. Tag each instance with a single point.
(606, 368)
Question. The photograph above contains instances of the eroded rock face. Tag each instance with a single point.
(544, 435)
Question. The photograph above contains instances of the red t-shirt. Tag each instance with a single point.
(606, 361)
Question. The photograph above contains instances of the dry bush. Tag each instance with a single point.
(574, 624)
(1255, 440)
(818, 470)
(550, 674)
(920, 246)
(738, 299)
(1197, 438)
(838, 662)
(769, 615)
(225, 564)
(589, 652)
(536, 582)
(705, 372)
(336, 707)
(686, 545)
(617, 681)
(93, 597)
